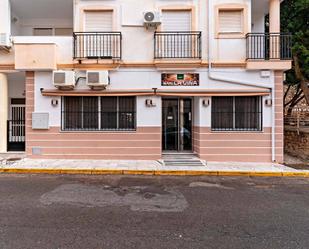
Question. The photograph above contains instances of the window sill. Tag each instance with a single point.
(100, 132)
(230, 36)
(218, 131)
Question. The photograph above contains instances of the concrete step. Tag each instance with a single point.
(184, 160)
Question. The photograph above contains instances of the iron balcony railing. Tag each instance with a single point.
(268, 46)
(97, 45)
(178, 45)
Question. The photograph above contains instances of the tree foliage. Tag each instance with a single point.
(295, 20)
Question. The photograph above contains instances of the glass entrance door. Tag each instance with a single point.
(177, 124)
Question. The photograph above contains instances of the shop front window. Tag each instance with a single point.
(236, 113)
(98, 113)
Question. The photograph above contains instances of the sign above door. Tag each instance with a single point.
(182, 79)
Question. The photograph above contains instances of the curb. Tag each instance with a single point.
(153, 172)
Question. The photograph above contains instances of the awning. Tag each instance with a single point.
(97, 93)
(213, 92)
(158, 92)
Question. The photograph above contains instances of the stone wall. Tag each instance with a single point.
(297, 144)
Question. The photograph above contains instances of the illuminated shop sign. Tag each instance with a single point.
(182, 79)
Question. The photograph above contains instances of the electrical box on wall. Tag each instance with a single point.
(265, 73)
(40, 121)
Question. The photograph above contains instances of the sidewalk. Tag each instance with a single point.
(146, 167)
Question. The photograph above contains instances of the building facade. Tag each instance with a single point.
(174, 76)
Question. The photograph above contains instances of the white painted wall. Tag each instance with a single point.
(5, 16)
(148, 116)
(151, 78)
(3, 111)
(148, 79)
(259, 11)
(16, 86)
(64, 45)
(136, 38)
(266, 113)
(43, 104)
(203, 113)
(24, 27)
(137, 41)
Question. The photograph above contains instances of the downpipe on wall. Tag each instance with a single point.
(212, 76)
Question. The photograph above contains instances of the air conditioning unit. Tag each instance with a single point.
(5, 40)
(152, 18)
(97, 79)
(64, 79)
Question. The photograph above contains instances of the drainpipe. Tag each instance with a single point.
(240, 82)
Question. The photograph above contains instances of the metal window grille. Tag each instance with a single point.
(236, 113)
(98, 113)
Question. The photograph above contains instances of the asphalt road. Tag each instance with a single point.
(107, 212)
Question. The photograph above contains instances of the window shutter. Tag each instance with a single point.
(98, 21)
(230, 21)
(42, 31)
(63, 31)
(176, 20)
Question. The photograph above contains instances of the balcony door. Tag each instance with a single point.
(176, 24)
(177, 124)
(176, 20)
(98, 41)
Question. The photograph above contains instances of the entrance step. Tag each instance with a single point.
(11, 157)
(185, 160)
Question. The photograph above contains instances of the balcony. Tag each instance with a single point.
(268, 51)
(177, 45)
(97, 45)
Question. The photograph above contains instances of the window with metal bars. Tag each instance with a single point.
(98, 113)
(236, 113)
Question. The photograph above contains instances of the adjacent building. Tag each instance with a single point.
(136, 79)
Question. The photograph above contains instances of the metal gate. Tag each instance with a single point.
(16, 128)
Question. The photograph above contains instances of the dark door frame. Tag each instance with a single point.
(178, 150)
(16, 125)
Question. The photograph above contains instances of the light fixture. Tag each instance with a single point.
(265, 73)
(206, 102)
(54, 102)
(268, 102)
(150, 103)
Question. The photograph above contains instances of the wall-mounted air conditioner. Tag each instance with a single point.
(64, 79)
(152, 18)
(97, 79)
(5, 40)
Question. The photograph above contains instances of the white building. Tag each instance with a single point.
(169, 76)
